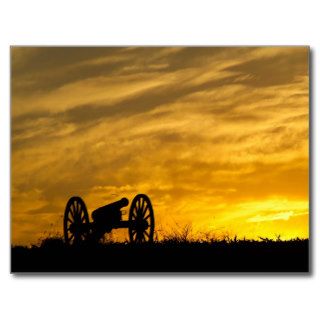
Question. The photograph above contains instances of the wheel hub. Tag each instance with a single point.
(141, 225)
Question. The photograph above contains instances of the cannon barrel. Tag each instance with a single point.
(113, 207)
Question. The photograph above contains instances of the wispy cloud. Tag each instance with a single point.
(271, 217)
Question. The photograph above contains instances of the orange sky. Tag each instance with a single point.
(217, 137)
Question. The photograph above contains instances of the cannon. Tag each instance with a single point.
(78, 228)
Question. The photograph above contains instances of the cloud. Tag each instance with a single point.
(39, 68)
(271, 217)
(285, 67)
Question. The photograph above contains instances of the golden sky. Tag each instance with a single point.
(217, 137)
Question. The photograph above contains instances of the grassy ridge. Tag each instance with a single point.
(171, 255)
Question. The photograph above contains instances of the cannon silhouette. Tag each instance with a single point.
(78, 228)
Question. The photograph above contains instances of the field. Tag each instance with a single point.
(231, 255)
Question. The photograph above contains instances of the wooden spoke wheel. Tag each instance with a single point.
(141, 220)
(76, 221)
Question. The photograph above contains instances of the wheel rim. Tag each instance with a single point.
(76, 221)
(141, 220)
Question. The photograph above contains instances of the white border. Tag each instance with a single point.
(155, 23)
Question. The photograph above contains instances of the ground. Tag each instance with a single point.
(168, 256)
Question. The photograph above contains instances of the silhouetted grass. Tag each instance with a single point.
(178, 252)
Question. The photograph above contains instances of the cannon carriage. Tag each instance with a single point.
(78, 228)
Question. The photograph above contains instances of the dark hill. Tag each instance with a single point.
(167, 256)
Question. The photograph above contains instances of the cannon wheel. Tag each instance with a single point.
(76, 221)
(141, 219)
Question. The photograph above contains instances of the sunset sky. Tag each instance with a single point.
(216, 137)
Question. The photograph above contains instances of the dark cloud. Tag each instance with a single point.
(275, 70)
(48, 68)
(195, 57)
(52, 67)
(45, 59)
